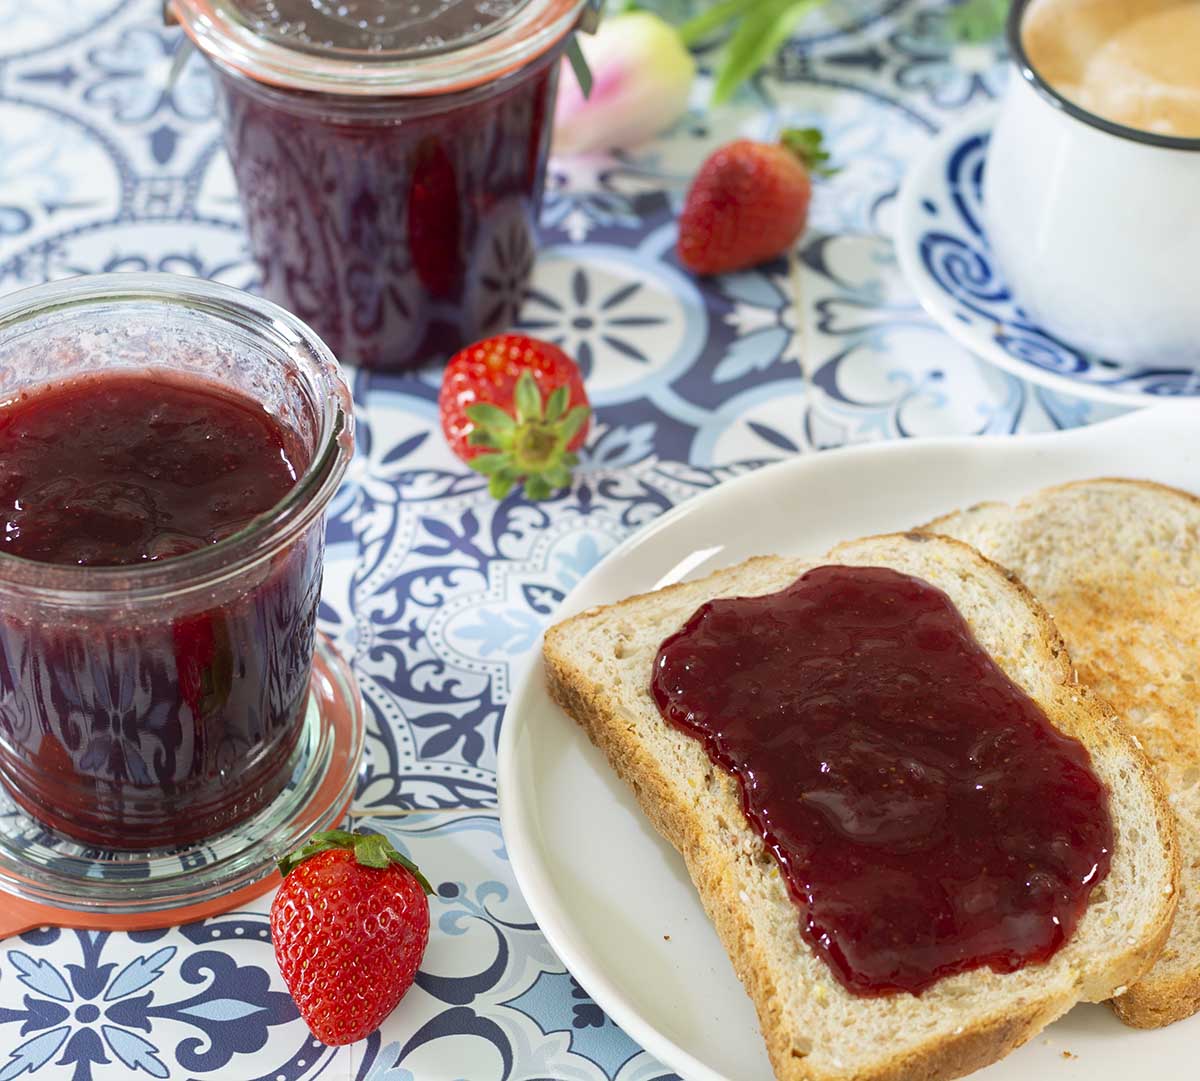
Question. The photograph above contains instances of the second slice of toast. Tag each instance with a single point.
(598, 668)
(1117, 564)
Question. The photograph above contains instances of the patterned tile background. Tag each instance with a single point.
(433, 590)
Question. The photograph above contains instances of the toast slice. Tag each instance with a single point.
(598, 668)
(1117, 564)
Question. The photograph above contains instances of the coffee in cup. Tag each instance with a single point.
(1132, 62)
(1090, 188)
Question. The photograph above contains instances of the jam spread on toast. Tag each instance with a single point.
(925, 815)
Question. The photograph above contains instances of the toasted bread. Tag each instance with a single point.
(1117, 564)
(598, 668)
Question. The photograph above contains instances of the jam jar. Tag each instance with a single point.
(154, 679)
(390, 157)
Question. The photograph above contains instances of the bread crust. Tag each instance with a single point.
(715, 870)
(711, 870)
(1159, 998)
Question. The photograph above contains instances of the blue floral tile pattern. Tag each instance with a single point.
(948, 73)
(92, 1005)
(490, 989)
(436, 592)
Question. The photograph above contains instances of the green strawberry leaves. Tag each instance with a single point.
(530, 446)
(370, 850)
(527, 399)
(808, 145)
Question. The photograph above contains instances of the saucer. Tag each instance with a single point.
(943, 250)
(49, 879)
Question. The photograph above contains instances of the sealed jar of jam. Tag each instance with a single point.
(167, 450)
(390, 157)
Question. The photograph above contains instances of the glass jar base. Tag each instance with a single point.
(53, 880)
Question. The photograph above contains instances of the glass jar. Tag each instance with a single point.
(390, 157)
(159, 703)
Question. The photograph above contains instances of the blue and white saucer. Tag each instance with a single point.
(943, 249)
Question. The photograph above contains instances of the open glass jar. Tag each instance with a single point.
(158, 703)
(390, 157)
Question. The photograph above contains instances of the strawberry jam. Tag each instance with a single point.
(159, 725)
(121, 469)
(925, 815)
(400, 229)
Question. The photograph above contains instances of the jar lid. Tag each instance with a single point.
(376, 47)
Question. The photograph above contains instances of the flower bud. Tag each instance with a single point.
(641, 79)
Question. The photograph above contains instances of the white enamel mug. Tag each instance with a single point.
(1095, 225)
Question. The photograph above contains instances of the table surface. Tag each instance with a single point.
(436, 592)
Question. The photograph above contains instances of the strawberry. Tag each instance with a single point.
(514, 408)
(349, 925)
(749, 202)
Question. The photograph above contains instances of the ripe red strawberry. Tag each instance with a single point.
(349, 926)
(514, 408)
(749, 202)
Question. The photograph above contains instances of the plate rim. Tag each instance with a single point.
(529, 870)
(933, 299)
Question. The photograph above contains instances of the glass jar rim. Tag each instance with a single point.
(259, 539)
(534, 30)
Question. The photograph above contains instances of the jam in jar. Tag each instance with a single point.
(167, 448)
(390, 156)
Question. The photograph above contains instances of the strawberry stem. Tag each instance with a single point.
(531, 446)
(370, 850)
(808, 145)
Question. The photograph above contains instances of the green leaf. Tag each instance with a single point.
(370, 850)
(536, 488)
(527, 397)
(490, 464)
(672, 11)
(374, 851)
(318, 842)
(486, 415)
(579, 65)
(481, 437)
(572, 422)
(557, 404)
(808, 145)
(709, 22)
(500, 485)
(762, 31)
(558, 476)
(761, 27)
(978, 21)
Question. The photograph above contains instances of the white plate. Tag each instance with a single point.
(943, 249)
(607, 890)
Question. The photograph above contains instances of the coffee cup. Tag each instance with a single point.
(1096, 223)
